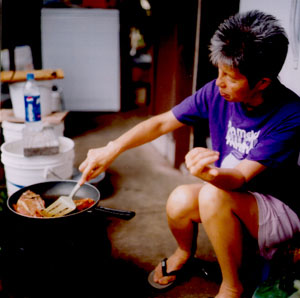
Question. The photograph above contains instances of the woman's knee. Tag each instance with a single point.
(213, 201)
(183, 202)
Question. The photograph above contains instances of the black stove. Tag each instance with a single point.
(48, 259)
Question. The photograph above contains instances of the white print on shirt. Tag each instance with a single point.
(230, 161)
(240, 139)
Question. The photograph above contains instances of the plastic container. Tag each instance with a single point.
(13, 131)
(21, 171)
(16, 91)
(56, 99)
(32, 101)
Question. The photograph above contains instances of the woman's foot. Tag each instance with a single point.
(174, 262)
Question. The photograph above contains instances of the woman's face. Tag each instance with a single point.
(234, 86)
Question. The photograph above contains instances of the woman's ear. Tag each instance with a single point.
(263, 84)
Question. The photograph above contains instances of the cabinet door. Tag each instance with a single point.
(85, 44)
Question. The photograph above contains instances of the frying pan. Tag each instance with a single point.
(53, 189)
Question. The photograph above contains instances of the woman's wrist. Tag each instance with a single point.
(114, 148)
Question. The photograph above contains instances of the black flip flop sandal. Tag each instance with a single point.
(165, 273)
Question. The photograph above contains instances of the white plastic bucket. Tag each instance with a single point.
(16, 91)
(13, 131)
(21, 171)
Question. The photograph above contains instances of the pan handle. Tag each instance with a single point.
(116, 213)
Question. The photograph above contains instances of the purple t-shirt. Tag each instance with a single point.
(270, 134)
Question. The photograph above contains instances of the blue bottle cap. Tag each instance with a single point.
(30, 76)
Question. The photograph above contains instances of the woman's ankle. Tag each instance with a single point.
(182, 254)
(230, 291)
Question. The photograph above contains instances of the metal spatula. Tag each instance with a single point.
(63, 205)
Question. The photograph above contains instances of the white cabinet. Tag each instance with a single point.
(85, 43)
(288, 13)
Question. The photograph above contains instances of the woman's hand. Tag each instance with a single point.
(97, 161)
(199, 162)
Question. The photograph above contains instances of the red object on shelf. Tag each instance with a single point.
(99, 3)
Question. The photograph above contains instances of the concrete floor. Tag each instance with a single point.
(140, 180)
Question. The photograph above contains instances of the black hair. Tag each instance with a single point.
(253, 42)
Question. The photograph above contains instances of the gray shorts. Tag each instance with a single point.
(277, 223)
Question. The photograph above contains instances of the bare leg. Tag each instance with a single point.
(183, 213)
(221, 213)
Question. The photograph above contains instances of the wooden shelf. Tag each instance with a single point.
(10, 76)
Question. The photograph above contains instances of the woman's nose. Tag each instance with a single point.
(220, 81)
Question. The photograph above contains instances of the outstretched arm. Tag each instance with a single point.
(99, 159)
